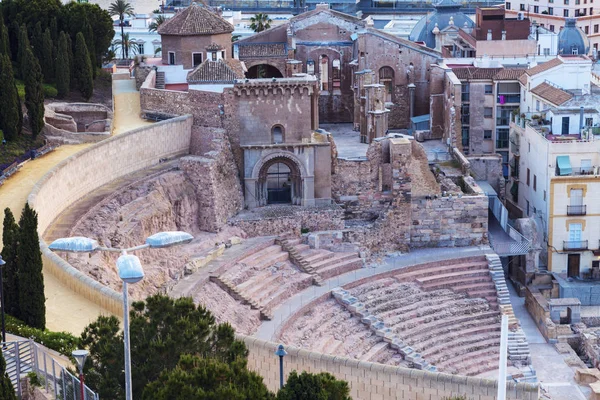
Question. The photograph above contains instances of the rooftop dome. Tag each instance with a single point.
(195, 20)
(444, 11)
(572, 40)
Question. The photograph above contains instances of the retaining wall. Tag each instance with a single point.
(92, 168)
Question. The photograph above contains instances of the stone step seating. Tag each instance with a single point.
(328, 328)
(326, 264)
(264, 279)
(473, 363)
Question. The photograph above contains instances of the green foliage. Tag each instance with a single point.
(10, 119)
(10, 241)
(13, 37)
(162, 329)
(48, 56)
(34, 92)
(62, 342)
(34, 379)
(32, 307)
(37, 42)
(63, 67)
(260, 22)
(23, 46)
(7, 391)
(121, 9)
(50, 89)
(127, 45)
(30, 12)
(197, 378)
(83, 68)
(306, 386)
(4, 42)
(88, 35)
(158, 21)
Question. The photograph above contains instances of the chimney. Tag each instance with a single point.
(503, 35)
(489, 34)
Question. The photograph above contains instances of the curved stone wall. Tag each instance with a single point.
(103, 162)
(92, 168)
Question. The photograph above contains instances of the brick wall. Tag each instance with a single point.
(371, 381)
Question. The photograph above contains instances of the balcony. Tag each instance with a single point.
(509, 98)
(576, 210)
(575, 245)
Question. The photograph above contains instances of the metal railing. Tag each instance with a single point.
(575, 245)
(25, 356)
(576, 210)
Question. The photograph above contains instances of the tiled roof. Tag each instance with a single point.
(195, 20)
(253, 50)
(509, 74)
(475, 73)
(552, 94)
(214, 72)
(544, 67)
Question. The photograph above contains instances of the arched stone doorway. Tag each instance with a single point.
(263, 71)
(279, 182)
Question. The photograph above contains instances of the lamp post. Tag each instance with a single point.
(280, 352)
(80, 356)
(2, 264)
(130, 271)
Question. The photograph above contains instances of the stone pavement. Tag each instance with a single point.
(347, 140)
(268, 329)
(555, 376)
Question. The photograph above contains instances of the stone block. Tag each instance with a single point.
(587, 376)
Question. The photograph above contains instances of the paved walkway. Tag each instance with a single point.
(268, 329)
(65, 309)
(555, 376)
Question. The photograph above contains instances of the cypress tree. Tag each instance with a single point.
(23, 46)
(13, 36)
(63, 67)
(48, 59)
(83, 68)
(10, 239)
(34, 92)
(37, 42)
(29, 260)
(88, 35)
(54, 29)
(10, 119)
(7, 391)
(4, 41)
(71, 66)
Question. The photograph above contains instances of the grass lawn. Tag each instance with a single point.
(49, 89)
(16, 148)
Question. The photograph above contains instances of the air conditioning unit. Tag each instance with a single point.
(521, 16)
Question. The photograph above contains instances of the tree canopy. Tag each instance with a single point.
(306, 386)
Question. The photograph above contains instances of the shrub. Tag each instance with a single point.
(62, 342)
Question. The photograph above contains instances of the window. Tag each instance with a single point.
(550, 10)
(535, 183)
(536, 9)
(487, 112)
(324, 72)
(527, 206)
(577, 2)
(502, 138)
(577, 13)
(544, 195)
(464, 92)
(537, 105)
(565, 13)
(141, 48)
(386, 78)
(487, 134)
(591, 10)
(551, 28)
(522, 7)
(574, 51)
(213, 56)
(196, 59)
(586, 29)
(586, 165)
(546, 51)
(489, 89)
(222, 55)
(310, 67)
(171, 58)
(277, 134)
(566, 2)
(508, 5)
(528, 176)
(465, 138)
(589, 121)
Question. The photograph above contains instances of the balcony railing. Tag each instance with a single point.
(575, 245)
(576, 210)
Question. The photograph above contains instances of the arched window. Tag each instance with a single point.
(336, 73)
(386, 78)
(324, 72)
(277, 134)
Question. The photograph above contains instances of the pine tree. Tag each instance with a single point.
(88, 35)
(10, 119)
(7, 391)
(48, 59)
(31, 281)
(23, 46)
(10, 240)
(63, 67)
(83, 68)
(34, 92)
(37, 42)
(4, 41)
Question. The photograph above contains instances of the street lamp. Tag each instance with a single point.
(80, 356)
(130, 271)
(2, 264)
(280, 352)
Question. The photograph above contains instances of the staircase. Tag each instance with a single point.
(299, 261)
(228, 286)
(160, 80)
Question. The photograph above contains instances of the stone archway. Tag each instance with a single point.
(262, 71)
(279, 182)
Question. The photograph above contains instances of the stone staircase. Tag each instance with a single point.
(297, 259)
(160, 80)
(518, 347)
(234, 292)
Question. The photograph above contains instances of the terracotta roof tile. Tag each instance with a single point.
(475, 73)
(509, 74)
(195, 20)
(544, 67)
(552, 94)
(215, 72)
(253, 50)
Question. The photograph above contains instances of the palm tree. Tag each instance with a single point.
(260, 22)
(122, 9)
(127, 45)
(158, 21)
